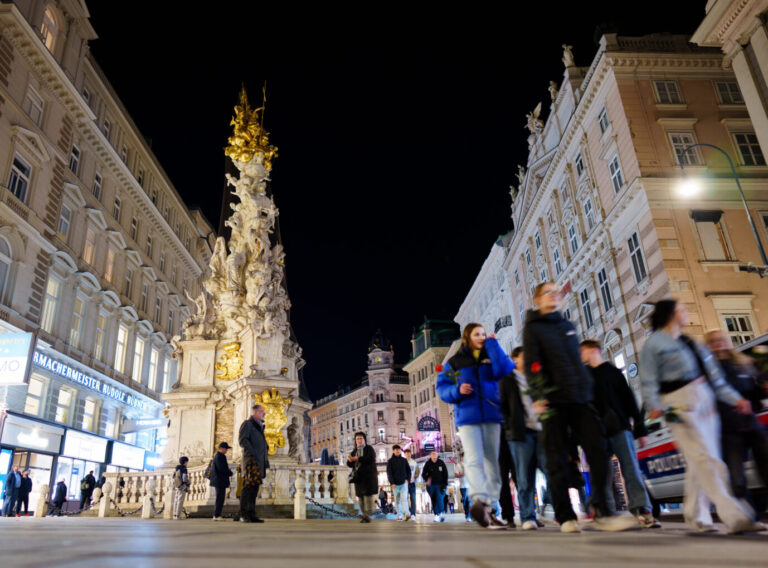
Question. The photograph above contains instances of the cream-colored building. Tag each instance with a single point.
(597, 207)
(96, 249)
(738, 27)
(432, 419)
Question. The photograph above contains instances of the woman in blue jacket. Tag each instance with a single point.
(470, 381)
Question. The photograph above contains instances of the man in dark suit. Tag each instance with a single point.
(255, 463)
(12, 486)
(220, 474)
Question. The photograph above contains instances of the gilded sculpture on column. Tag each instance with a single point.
(230, 365)
(275, 420)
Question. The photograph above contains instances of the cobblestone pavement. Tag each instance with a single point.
(113, 542)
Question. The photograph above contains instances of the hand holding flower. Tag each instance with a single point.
(465, 388)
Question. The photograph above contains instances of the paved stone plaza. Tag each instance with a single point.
(84, 542)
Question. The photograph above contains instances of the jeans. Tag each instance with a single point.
(465, 501)
(481, 460)
(526, 454)
(623, 444)
(437, 494)
(400, 496)
(735, 445)
(412, 497)
(221, 495)
(581, 423)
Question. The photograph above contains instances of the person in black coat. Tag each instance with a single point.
(86, 489)
(362, 460)
(60, 496)
(11, 491)
(255, 462)
(398, 474)
(436, 475)
(220, 474)
(24, 490)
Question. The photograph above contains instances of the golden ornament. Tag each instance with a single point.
(230, 365)
(275, 420)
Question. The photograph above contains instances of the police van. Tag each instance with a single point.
(663, 465)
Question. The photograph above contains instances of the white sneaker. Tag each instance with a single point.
(570, 527)
(616, 523)
(530, 526)
(437, 518)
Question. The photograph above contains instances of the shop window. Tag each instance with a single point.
(711, 232)
(64, 405)
(50, 302)
(34, 396)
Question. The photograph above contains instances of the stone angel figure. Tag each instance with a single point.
(534, 124)
(217, 281)
(568, 56)
(553, 90)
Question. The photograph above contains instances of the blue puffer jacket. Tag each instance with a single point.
(483, 405)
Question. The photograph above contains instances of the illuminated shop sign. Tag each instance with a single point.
(14, 354)
(63, 370)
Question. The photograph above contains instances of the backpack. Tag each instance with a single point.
(177, 479)
(208, 470)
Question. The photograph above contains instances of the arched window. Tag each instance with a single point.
(5, 265)
(50, 28)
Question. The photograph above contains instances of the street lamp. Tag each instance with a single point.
(689, 187)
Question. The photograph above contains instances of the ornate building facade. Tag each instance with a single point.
(96, 251)
(597, 207)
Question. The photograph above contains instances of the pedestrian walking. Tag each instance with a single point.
(11, 491)
(522, 429)
(415, 472)
(505, 511)
(623, 423)
(220, 474)
(362, 460)
(24, 490)
(470, 382)
(435, 474)
(460, 474)
(563, 397)
(740, 432)
(680, 381)
(382, 500)
(255, 463)
(87, 485)
(398, 474)
(180, 487)
(59, 496)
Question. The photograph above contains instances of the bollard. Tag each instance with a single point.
(105, 503)
(42, 503)
(146, 509)
(168, 511)
(299, 498)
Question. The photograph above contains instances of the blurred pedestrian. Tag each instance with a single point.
(680, 381)
(220, 474)
(435, 474)
(415, 472)
(59, 497)
(470, 382)
(11, 491)
(362, 460)
(24, 490)
(87, 485)
(740, 432)
(180, 487)
(460, 474)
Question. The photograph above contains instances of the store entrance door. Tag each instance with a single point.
(73, 471)
(39, 466)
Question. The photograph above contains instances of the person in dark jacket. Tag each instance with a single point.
(362, 460)
(11, 491)
(398, 474)
(435, 474)
(180, 487)
(220, 474)
(86, 489)
(521, 429)
(60, 496)
(553, 361)
(740, 432)
(24, 490)
(470, 382)
(255, 463)
(618, 410)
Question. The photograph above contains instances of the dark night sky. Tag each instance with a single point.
(399, 135)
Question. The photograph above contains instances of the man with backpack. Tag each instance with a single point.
(87, 485)
(219, 473)
(180, 486)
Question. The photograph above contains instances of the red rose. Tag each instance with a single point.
(439, 368)
(535, 367)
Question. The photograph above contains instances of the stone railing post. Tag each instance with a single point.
(341, 485)
(146, 511)
(106, 498)
(299, 499)
(41, 509)
(168, 510)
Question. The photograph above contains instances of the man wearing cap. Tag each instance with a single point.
(220, 474)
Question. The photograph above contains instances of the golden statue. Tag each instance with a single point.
(275, 420)
(230, 365)
(249, 136)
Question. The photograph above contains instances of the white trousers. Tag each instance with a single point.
(178, 501)
(706, 476)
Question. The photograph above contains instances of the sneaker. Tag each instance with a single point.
(540, 523)
(496, 523)
(442, 517)
(530, 526)
(437, 518)
(615, 523)
(571, 526)
(399, 518)
(468, 519)
(479, 512)
(747, 526)
(647, 521)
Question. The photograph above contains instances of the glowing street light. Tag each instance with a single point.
(689, 187)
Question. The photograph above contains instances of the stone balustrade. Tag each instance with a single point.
(326, 484)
